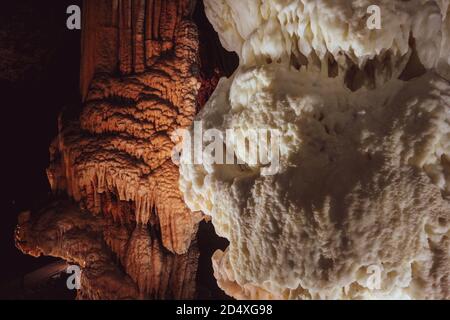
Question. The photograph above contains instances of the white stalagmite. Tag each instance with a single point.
(360, 206)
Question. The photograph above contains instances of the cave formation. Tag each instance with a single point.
(118, 212)
(364, 175)
(359, 208)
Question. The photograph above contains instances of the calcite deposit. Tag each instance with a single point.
(117, 261)
(118, 155)
(130, 231)
(359, 208)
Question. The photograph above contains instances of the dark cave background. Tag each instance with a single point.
(39, 75)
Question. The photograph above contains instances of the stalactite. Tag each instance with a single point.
(141, 80)
(121, 146)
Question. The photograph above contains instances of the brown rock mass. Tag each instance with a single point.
(140, 80)
(144, 56)
(145, 270)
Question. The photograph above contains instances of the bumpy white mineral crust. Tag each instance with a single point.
(363, 191)
(276, 29)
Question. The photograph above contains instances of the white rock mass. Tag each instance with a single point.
(360, 208)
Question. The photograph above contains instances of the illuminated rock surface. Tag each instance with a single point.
(117, 261)
(131, 232)
(360, 206)
(118, 155)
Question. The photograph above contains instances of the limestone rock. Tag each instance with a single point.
(359, 206)
(117, 261)
(142, 57)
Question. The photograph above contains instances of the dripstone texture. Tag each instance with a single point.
(131, 231)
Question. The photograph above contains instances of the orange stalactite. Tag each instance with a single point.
(139, 82)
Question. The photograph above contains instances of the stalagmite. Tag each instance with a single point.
(144, 270)
(121, 145)
(130, 232)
